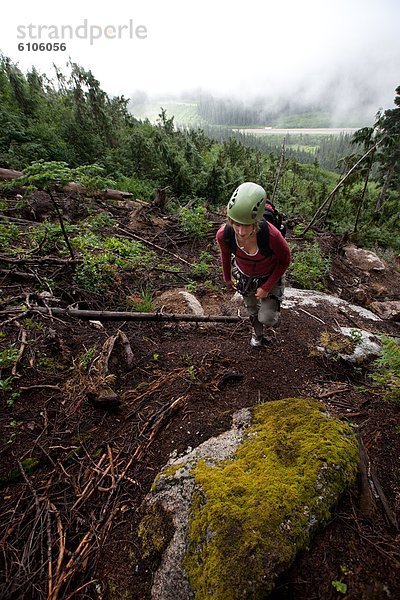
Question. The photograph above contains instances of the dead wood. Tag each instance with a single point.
(144, 241)
(367, 501)
(335, 189)
(369, 470)
(382, 497)
(127, 349)
(40, 387)
(36, 260)
(107, 194)
(333, 392)
(9, 174)
(14, 273)
(20, 352)
(108, 315)
(106, 352)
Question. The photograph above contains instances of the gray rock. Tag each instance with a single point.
(174, 494)
(271, 450)
(353, 345)
(362, 259)
(365, 350)
(389, 310)
(193, 304)
(296, 298)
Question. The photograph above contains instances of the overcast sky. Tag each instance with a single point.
(246, 50)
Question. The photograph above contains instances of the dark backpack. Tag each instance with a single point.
(273, 216)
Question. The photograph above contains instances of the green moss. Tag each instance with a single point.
(168, 471)
(253, 512)
(154, 531)
(336, 343)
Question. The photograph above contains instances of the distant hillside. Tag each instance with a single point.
(228, 113)
(184, 113)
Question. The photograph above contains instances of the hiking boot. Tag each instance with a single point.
(259, 341)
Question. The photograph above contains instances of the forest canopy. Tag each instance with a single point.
(69, 118)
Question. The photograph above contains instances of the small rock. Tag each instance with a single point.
(193, 304)
(366, 349)
(105, 398)
(390, 310)
(97, 324)
(179, 302)
(353, 345)
(365, 260)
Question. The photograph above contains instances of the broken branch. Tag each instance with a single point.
(107, 315)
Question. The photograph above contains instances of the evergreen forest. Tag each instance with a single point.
(70, 119)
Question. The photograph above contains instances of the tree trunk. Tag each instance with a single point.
(333, 192)
(362, 198)
(381, 197)
(278, 173)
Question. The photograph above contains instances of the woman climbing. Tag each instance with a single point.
(255, 257)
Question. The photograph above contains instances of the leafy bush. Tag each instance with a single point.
(8, 233)
(50, 238)
(298, 230)
(7, 357)
(134, 253)
(96, 274)
(309, 267)
(194, 221)
(387, 364)
(86, 240)
(203, 267)
(140, 188)
(100, 220)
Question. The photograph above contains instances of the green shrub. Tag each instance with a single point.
(96, 274)
(8, 233)
(138, 187)
(100, 220)
(8, 357)
(144, 305)
(135, 253)
(387, 366)
(86, 240)
(194, 221)
(309, 267)
(203, 267)
(50, 238)
(298, 230)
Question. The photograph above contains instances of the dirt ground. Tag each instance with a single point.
(74, 473)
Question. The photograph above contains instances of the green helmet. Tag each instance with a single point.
(247, 203)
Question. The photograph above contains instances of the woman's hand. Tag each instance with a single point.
(260, 293)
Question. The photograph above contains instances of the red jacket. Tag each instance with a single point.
(257, 265)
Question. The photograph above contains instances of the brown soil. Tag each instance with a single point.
(71, 494)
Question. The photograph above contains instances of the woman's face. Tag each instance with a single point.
(243, 231)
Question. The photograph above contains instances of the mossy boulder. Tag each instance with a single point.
(243, 504)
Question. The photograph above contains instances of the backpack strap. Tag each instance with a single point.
(229, 237)
(262, 238)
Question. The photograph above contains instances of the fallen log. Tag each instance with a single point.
(108, 315)
(33, 261)
(9, 174)
(109, 194)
